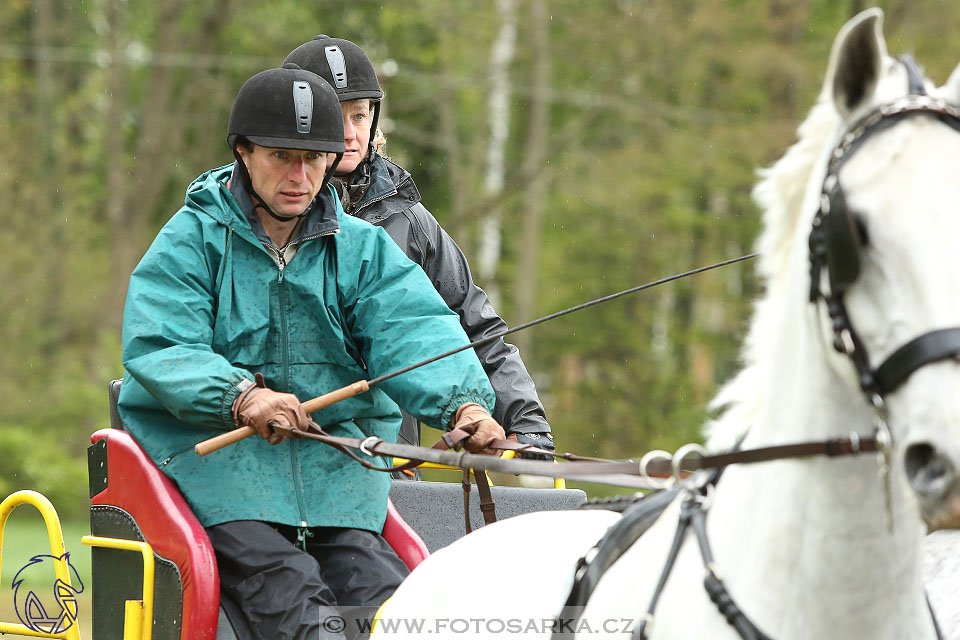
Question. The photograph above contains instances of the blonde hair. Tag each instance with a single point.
(379, 141)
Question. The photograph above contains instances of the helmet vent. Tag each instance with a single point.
(338, 66)
(303, 105)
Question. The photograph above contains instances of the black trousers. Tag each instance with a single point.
(286, 593)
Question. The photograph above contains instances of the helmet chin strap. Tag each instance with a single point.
(330, 172)
(373, 131)
(258, 202)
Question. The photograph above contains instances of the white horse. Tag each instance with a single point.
(803, 545)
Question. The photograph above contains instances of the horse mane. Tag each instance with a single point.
(782, 194)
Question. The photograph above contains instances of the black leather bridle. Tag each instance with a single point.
(837, 240)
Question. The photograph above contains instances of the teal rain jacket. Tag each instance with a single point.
(208, 306)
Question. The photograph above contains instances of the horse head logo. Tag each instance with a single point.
(30, 609)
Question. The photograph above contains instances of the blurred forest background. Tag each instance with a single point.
(573, 148)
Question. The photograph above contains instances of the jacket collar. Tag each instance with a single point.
(388, 179)
(321, 218)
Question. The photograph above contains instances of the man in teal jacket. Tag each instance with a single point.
(262, 272)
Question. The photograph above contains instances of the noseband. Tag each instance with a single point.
(837, 239)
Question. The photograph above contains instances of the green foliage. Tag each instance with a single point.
(659, 114)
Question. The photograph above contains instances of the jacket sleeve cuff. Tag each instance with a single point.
(226, 402)
(449, 411)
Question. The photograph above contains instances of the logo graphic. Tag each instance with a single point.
(29, 607)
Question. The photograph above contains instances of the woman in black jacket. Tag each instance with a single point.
(383, 193)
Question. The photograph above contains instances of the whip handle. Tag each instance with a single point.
(327, 399)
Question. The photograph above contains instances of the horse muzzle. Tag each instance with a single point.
(934, 479)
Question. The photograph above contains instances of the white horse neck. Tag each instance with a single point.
(809, 553)
(804, 544)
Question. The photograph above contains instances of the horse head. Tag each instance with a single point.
(887, 275)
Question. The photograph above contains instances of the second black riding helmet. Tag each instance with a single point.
(287, 108)
(345, 67)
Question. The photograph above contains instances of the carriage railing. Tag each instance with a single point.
(137, 614)
(61, 570)
(138, 619)
(558, 483)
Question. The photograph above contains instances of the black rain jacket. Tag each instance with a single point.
(392, 201)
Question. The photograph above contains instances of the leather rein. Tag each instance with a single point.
(655, 471)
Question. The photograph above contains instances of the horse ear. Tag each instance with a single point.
(856, 61)
(951, 90)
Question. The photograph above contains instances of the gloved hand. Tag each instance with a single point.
(541, 440)
(260, 407)
(473, 418)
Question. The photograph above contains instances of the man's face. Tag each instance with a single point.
(286, 179)
(357, 118)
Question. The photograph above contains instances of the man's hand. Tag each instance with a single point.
(473, 418)
(541, 440)
(260, 408)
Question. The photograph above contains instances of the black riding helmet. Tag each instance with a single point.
(286, 108)
(346, 68)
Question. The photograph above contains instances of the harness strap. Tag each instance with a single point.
(640, 631)
(833, 447)
(465, 483)
(714, 585)
(922, 350)
(636, 520)
(487, 506)
(453, 439)
(620, 473)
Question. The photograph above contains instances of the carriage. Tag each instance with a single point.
(152, 560)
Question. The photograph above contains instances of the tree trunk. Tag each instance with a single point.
(121, 244)
(137, 176)
(501, 56)
(450, 141)
(535, 178)
(47, 200)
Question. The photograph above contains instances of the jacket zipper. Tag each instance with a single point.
(285, 372)
(173, 455)
(285, 365)
(281, 261)
(278, 257)
(366, 204)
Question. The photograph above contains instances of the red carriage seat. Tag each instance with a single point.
(132, 499)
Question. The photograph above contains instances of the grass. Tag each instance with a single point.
(25, 536)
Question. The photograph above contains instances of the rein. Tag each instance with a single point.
(655, 471)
